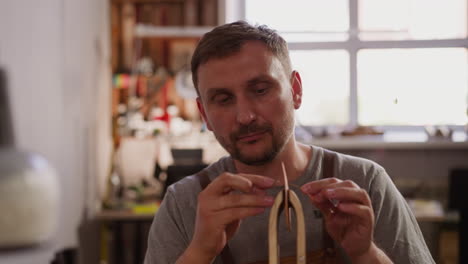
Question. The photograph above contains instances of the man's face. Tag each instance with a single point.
(248, 101)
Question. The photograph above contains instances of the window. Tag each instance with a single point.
(327, 89)
(395, 63)
(301, 20)
(412, 86)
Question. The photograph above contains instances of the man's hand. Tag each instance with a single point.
(348, 213)
(220, 211)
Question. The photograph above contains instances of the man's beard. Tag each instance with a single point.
(268, 154)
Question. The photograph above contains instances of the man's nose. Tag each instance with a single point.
(245, 113)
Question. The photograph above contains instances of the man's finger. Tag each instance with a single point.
(325, 206)
(315, 187)
(259, 181)
(258, 191)
(241, 182)
(346, 183)
(363, 212)
(233, 214)
(243, 200)
(228, 182)
(348, 194)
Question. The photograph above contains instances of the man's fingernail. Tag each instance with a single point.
(330, 192)
(305, 188)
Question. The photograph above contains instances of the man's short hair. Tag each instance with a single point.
(228, 39)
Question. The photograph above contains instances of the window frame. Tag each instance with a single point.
(353, 45)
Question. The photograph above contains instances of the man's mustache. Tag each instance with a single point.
(250, 129)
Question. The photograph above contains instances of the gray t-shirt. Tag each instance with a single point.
(396, 230)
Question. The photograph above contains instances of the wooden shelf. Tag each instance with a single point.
(148, 31)
(392, 141)
(43, 253)
(178, 2)
(122, 215)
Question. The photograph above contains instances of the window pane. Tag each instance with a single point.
(325, 82)
(305, 20)
(412, 86)
(412, 19)
(313, 36)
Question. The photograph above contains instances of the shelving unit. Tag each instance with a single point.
(150, 31)
(154, 23)
(165, 32)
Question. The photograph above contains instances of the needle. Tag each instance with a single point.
(285, 177)
(286, 198)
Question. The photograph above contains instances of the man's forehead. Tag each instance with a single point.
(240, 66)
(234, 51)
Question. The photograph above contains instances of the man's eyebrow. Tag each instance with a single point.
(262, 78)
(259, 79)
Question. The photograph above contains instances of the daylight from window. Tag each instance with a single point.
(412, 19)
(412, 86)
(375, 62)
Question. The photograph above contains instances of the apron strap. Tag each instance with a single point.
(328, 168)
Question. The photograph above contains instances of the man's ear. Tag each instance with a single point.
(296, 84)
(202, 112)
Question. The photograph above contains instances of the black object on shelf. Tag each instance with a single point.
(178, 172)
(66, 256)
(186, 162)
(458, 186)
(187, 156)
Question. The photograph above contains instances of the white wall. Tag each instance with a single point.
(57, 57)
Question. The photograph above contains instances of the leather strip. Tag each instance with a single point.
(328, 168)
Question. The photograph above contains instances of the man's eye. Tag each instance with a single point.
(222, 99)
(261, 90)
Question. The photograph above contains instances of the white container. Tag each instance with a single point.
(28, 199)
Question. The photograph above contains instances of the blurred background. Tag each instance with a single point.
(102, 90)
